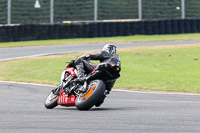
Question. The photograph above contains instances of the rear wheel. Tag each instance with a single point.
(96, 92)
(51, 101)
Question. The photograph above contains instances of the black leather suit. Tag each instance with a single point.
(83, 65)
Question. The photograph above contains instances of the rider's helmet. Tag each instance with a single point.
(110, 48)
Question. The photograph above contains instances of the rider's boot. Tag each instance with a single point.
(81, 77)
(80, 80)
(80, 74)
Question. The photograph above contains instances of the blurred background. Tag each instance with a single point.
(95, 18)
(57, 11)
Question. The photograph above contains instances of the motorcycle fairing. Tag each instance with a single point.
(64, 100)
(71, 71)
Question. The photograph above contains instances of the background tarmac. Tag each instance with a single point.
(23, 52)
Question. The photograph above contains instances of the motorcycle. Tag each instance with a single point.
(83, 95)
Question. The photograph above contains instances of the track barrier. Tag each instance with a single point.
(27, 32)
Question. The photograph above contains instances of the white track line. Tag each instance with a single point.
(23, 83)
(37, 55)
(153, 92)
(117, 90)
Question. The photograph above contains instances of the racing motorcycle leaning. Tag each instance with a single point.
(83, 95)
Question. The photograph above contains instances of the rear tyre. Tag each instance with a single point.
(51, 101)
(96, 92)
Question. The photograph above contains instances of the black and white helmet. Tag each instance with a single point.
(110, 48)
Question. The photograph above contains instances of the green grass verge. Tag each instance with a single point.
(137, 38)
(175, 70)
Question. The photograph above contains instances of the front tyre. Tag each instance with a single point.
(51, 101)
(95, 93)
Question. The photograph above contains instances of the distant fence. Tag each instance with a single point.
(57, 11)
(97, 29)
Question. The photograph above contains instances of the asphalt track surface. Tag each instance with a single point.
(22, 107)
(23, 52)
(22, 111)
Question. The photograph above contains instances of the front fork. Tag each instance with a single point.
(57, 90)
(64, 83)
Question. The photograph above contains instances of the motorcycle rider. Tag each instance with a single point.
(107, 55)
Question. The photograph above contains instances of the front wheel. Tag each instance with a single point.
(51, 101)
(95, 93)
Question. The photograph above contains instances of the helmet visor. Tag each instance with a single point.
(113, 49)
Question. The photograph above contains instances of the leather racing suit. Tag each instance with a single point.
(83, 65)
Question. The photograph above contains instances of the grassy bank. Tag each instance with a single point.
(137, 38)
(167, 68)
